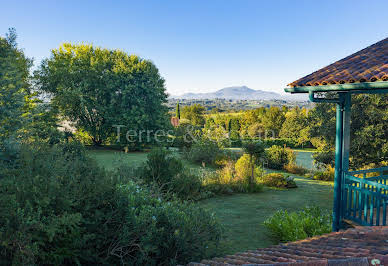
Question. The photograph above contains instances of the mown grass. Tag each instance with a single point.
(242, 214)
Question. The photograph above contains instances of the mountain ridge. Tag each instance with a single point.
(239, 93)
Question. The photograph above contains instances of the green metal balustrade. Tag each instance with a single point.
(365, 196)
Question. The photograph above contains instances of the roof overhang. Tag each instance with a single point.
(363, 87)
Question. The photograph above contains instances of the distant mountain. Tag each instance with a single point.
(240, 93)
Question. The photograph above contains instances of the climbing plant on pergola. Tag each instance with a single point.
(359, 196)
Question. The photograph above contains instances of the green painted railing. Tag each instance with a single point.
(365, 196)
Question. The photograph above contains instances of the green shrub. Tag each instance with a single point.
(243, 168)
(60, 208)
(165, 233)
(278, 157)
(295, 169)
(161, 167)
(187, 186)
(228, 180)
(278, 180)
(327, 175)
(203, 151)
(311, 221)
(167, 172)
(185, 135)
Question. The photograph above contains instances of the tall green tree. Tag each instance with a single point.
(273, 120)
(99, 89)
(14, 86)
(194, 113)
(294, 125)
(178, 111)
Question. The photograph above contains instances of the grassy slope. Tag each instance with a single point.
(242, 214)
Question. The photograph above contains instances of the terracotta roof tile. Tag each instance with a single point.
(356, 246)
(367, 65)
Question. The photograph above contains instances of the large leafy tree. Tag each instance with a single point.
(99, 89)
(294, 125)
(273, 120)
(369, 131)
(194, 113)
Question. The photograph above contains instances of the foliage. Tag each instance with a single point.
(277, 157)
(165, 233)
(256, 152)
(286, 227)
(86, 84)
(278, 180)
(294, 126)
(231, 179)
(14, 86)
(203, 151)
(185, 135)
(368, 131)
(326, 175)
(243, 168)
(217, 134)
(167, 172)
(273, 120)
(60, 208)
(295, 169)
(323, 157)
(194, 113)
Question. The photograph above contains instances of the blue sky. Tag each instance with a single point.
(205, 45)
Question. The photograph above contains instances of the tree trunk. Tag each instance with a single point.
(252, 172)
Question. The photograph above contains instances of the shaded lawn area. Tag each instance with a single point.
(110, 159)
(242, 214)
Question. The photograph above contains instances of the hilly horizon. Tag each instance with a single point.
(240, 93)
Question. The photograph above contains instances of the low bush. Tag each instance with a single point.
(243, 168)
(60, 208)
(165, 233)
(161, 167)
(311, 221)
(278, 180)
(232, 178)
(326, 175)
(277, 157)
(226, 156)
(166, 173)
(204, 151)
(295, 169)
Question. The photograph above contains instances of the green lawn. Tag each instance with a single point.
(110, 159)
(305, 159)
(243, 214)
